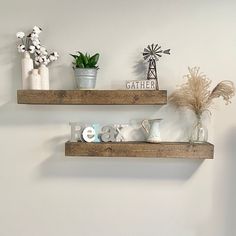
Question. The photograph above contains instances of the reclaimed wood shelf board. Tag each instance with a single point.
(92, 97)
(141, 149)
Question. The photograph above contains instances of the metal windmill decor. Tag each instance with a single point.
(152, 54)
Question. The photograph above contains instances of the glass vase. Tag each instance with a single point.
(199, 133)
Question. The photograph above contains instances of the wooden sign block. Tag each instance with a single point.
(141, 84)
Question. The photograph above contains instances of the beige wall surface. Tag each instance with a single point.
(44, 193)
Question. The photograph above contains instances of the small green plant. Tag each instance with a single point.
(85, 60)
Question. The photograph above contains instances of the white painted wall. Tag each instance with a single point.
(43, 193)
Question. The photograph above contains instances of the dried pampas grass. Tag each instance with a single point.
(196, 95)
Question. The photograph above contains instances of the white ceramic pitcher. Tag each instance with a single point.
(152, 128)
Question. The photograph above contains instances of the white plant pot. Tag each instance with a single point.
(85, 78)
(44, 74)
(35, 80)
(26, 68)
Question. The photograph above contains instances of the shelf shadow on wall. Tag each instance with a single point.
(57, 165)
(230, 187)
(63, 114)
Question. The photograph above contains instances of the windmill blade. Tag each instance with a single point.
(146, 57)
(146, 54)
(159, 55)
(146, 50)
(167, 51)
(149, 48)
(156, 49)
(159, 52)
(155, 57)
(152, 46)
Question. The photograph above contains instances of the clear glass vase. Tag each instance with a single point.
(199, 133)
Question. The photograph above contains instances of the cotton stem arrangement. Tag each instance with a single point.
(33, 46)
(196, 94)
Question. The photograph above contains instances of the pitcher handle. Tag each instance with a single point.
(143, 123)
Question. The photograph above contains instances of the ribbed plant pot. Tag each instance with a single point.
(85, 78)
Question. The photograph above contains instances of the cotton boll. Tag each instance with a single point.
(37, 30)
(20, 35)
(33, 36)
(37, 47)
(31, 49)
(52, 58)
(37, 52)
(37, 60)
(21, 48)
(42, 49)
(47, 61)
(36, 42)
(45, 52)
(56, 54)
(40, 59)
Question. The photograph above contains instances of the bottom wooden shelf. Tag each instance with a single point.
(141, 149)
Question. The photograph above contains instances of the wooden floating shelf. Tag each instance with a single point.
(141, 149)
(92, 97)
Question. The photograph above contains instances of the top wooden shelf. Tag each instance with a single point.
(92, 97)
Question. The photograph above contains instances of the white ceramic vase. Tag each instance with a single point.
(26, 68)
(44, 73)
(35, 80)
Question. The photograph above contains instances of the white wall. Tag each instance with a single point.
(44, 193)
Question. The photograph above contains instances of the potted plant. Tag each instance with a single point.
(85, 67)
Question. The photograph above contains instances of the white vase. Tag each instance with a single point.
(26, 68)
(44, 73)
(35, 80)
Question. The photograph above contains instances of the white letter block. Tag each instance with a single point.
(108, 134)
(76, 131)
(89, 134)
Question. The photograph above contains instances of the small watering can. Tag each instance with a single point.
(152, 128)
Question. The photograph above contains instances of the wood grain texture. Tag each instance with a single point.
(141, 149)
(92, 97)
